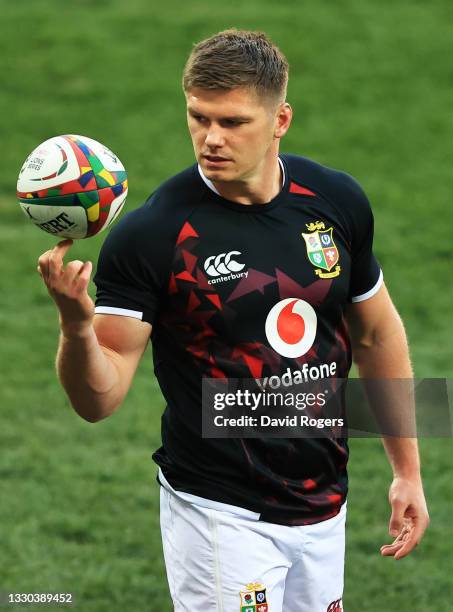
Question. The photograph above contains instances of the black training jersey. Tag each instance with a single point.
(206, 273)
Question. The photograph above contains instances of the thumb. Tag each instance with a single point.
(397, 518)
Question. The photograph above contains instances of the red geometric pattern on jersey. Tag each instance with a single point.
(215, 300)
(245, 352)
(187, 276)
(203, 296)
(190, 260)
(187, 231)
(255, 281)
(334, 499)
(194, 302)
(203, 281)
(265, 457)
(286, 286)
(315, 293)
(295, 188)
(202, 302)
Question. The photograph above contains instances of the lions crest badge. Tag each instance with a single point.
(321, 249)
(253, 598)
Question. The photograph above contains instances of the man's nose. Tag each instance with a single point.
(214, 137)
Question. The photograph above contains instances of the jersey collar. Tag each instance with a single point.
(211, 186)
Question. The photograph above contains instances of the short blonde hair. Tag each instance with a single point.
(238, 58)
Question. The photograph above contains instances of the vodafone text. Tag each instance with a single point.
(296, 377)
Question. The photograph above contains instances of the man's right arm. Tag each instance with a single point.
(97, 354)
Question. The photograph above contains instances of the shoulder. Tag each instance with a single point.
(140, 247)
(162, 215)
(179, 190)
(335, 185)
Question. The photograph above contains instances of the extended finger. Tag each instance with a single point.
(62, 247)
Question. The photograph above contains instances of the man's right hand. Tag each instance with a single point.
(68, 286)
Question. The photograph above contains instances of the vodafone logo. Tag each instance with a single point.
(291, 327)
(216, 265)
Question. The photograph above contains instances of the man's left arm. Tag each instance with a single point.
(380, 351)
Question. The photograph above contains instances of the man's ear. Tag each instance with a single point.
(283, 119)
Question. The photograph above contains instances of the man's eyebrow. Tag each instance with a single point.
(193, 112)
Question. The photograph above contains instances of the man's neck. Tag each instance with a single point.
(259, 190)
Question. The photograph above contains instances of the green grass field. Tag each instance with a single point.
(371, 87)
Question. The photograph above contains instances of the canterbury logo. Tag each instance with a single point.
(225, 263)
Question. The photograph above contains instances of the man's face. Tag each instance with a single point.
(233, 132)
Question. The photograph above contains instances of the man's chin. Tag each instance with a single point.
(217, 174)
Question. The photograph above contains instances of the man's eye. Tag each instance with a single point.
(198, 118)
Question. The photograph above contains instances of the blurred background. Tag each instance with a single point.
(371, 88)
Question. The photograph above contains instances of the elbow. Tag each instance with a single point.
(92, 407)
(361, 351)
(91, 416)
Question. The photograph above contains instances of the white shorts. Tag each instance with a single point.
(228, 561)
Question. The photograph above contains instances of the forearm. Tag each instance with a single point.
(88, 375)
(381, 353)
(386, 359)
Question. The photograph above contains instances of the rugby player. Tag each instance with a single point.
(248, 264)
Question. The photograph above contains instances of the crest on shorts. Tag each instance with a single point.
(253, 598)
(321, 249)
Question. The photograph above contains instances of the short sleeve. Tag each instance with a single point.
(131, 269)
(366, 274)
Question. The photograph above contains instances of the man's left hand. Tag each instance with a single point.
(409, 517)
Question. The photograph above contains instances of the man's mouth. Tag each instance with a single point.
(215, 159)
